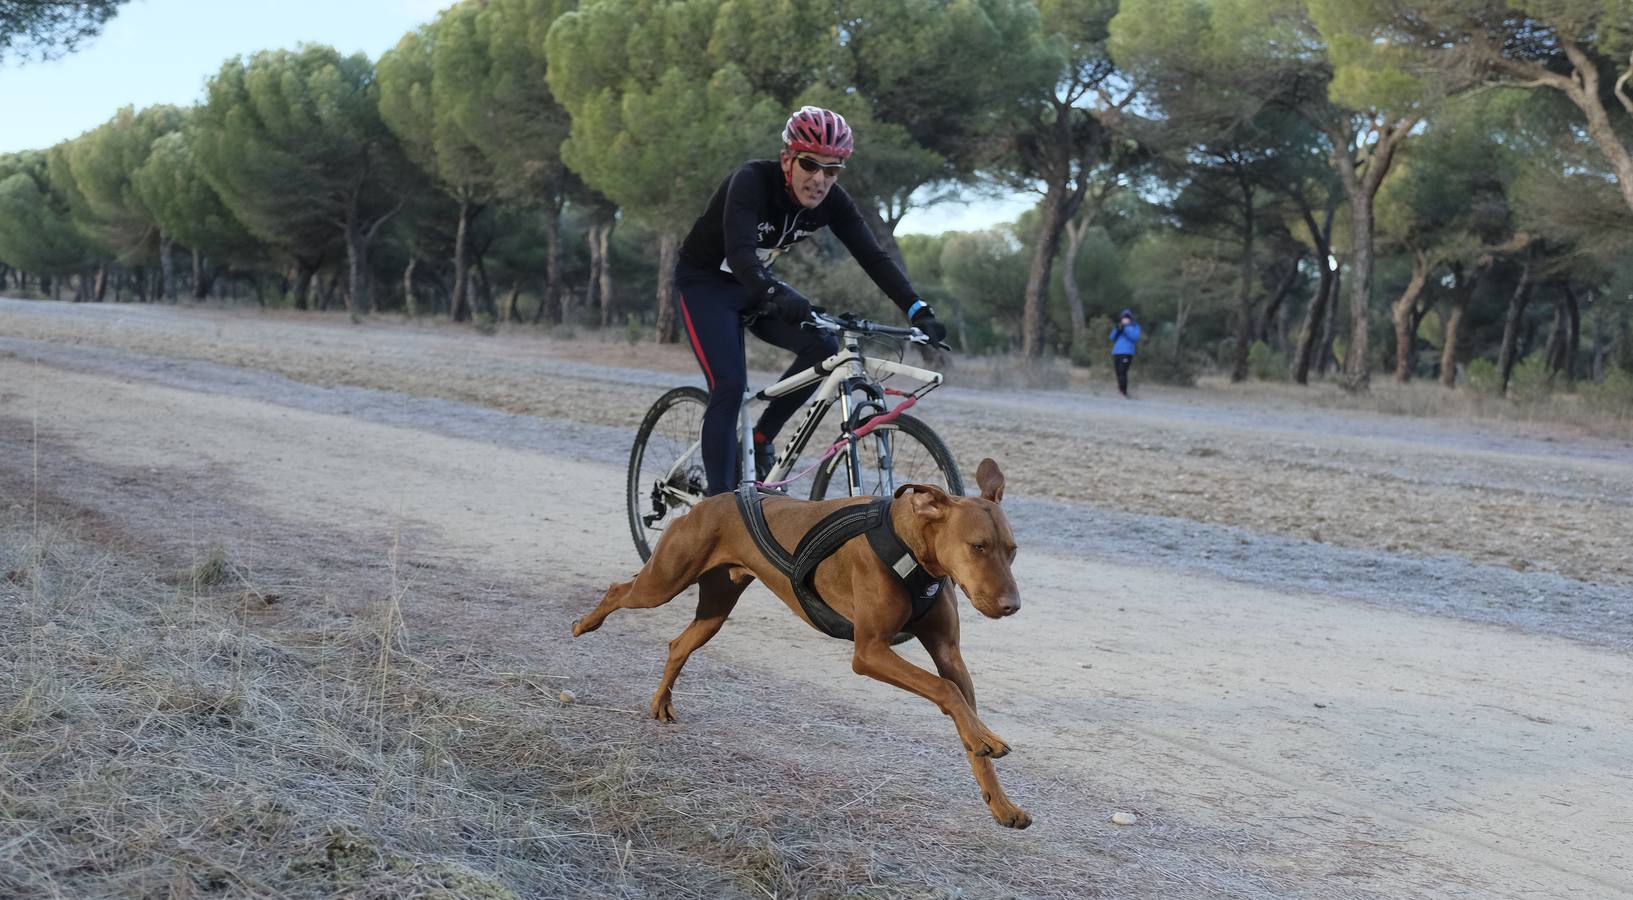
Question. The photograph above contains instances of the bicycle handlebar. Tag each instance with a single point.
(823, 321)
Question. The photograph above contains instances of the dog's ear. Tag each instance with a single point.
(991, 480)
(929, 502)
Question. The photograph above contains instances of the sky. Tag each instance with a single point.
(163, 51)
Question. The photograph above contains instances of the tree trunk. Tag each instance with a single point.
(1573, 333)
(1035, 318)
(883, 231)
(603, 270)
(456, 306)
(554, 290)
(1404, 314)
(1361, 189)
(1275, 306)
(1323, 359)
(1583, 90)
(485, 294)
(408, 285)
(1553, 350)
(1075, 230)
(512, 298)
(167, 266)
(1314, 323)
(1244, 294)
(304, 273)
(668, 252)
(592, 241)
(1461, 294)
(1358, 358)
(1517, 301)
(357, 259)
(101, 281)
(201, 284)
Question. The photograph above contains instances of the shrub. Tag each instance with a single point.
(1613, 394)
(1531, 379)
(1266, 364)
(1482, 376)
(1162, 362)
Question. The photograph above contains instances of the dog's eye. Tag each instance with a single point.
(979, 547)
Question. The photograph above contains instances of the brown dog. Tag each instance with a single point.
(965, 538)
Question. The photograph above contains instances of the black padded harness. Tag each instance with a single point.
(822, 541)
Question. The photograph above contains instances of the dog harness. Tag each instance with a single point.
(834, 531)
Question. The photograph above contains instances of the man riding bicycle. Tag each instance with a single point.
(725, 283)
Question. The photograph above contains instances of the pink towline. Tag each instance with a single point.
(873, 423)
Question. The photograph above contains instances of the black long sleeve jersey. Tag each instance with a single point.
(751, 220)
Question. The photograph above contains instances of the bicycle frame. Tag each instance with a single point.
(843, 375)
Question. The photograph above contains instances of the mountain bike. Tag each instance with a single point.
(879, 446)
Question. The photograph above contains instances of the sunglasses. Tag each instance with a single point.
(812, 167)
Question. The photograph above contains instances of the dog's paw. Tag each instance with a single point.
(988, 745)
(1013, 818)
(583, 626)
(663, 708)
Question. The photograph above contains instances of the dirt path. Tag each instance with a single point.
(1283, 738)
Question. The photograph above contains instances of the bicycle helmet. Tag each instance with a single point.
(817, 130)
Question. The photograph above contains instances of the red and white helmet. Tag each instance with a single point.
(817, 130)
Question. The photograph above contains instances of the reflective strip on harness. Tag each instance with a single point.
(832, 532)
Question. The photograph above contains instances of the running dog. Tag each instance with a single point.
(877, 596)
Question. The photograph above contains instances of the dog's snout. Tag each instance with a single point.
(1008, 606)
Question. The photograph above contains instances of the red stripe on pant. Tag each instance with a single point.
(697, 348)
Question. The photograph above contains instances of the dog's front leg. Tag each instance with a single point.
(875, 659)
(950, 663)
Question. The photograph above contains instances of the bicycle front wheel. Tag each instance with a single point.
(666, 475)
(902, 451)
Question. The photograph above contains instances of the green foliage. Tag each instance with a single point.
(1614, 394)
(1431, 330)
(649, 112)
(37, 232)
(985, 274)
(1160, 361)
(293, 143)
(513, 117)
(173, 191)
(1266, 364)
(35, 30)
(1531, 379)
(1482, 376)
(97, 170)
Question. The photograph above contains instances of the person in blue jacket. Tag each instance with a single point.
(1124, 335)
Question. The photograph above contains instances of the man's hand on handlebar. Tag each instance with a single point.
(789, 305)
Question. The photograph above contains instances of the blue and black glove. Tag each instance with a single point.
(924, 319)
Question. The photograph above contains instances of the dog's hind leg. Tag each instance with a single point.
(675, 565)
(717, 595)
(949, 662)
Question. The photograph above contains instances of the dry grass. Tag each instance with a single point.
(1561, 414)
(167, 739)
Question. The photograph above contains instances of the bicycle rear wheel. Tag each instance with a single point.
(902, 451)
(666, 475)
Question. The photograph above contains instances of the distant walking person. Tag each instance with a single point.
(1124, 336)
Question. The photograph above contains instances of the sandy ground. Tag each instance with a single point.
(1381, 711)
